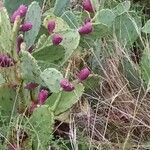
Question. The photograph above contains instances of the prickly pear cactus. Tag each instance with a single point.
(145, 67)
(60, 7)
(5, 32)
(131, 72)
(51, 78)
(42, 121)
(34, 16)
(100, 30)
(67, 99)
(146, 28)
(41, 41)
(71, 39)
(13, 5)
(122, 8)
(29, 68)
(7, 99)
(50, 54)
(105, 16)
(127, 28)
(2, 80)
(71, 19)
(61, 25)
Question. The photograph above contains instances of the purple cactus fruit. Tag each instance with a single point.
(6, 61)
(19, 42)
(51, 26)
(83, 74)
(26, 27)
(31, 86)
(66, 85)
(87, 5)
(86, 28)
(21, 12)
(57, 39)
(14, 16)
(42, 96)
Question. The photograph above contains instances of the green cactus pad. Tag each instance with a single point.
(34, 16)
(42, 120)
(30, 71)
(13, 5)
(67, 99)
(51, 78)
(5, 32)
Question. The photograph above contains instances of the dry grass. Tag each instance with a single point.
(115, 115)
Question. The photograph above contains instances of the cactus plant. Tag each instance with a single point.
(42, 121)
(34, 16)
(127, 28)
(30, 70)
(60, 7)
(41, 41)
(66, 100)
(105, 16)
(13, 5)
(7, 97)
(146, 27)
(2, 80)
(71, 19)
(51, 78)
(5, 32)
(145, 68)
(71, 39)
(50, 54)
(122, 8)
(60, 24)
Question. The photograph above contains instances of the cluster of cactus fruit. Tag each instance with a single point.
(28, 76)
(41, 89)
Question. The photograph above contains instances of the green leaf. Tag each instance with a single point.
(51, 78)
(5, 32)
(105, 16)
(146, 28)
(13, 5)
(34, 16)
(60, 6)
(67, 99)
(42, 120)
(50, 54)
(71, 19)
(127, 28)
(30, 70)
(122, 8)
